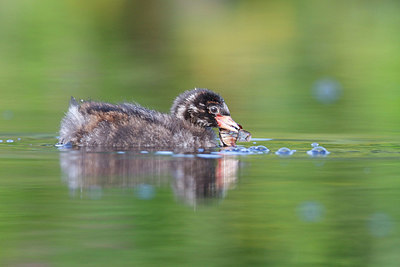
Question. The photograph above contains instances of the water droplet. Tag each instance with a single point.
(235, 151)
(262, 149)
(318, 151)
(239, 150)
(61, 145)
(284, 151)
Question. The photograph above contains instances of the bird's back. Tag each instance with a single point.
(128, 125)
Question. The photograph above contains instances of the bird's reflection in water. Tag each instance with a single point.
(194, 179)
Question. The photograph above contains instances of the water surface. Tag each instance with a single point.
(66, 207)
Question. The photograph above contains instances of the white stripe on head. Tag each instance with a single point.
(180, 112)
(194, 108)
(191, 97)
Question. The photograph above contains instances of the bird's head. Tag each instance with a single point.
(204, 108)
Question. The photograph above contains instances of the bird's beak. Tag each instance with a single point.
(226, 122)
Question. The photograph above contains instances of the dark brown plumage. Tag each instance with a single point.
(189, 124)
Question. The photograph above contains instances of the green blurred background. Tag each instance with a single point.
(283, 67)
(322, 70)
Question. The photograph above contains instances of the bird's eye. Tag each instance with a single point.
(214, 110)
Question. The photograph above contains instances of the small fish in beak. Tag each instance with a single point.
(230, 132)
(226, 123)
(243, 136)
(229, 138)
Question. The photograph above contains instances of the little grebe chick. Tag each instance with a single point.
(189, 124)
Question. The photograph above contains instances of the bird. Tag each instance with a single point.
(189, 124)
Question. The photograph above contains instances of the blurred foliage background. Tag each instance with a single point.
(283, 67)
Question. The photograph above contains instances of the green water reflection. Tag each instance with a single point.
(127, 208)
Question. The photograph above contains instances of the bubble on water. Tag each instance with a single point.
(234, 151)
(262, 149)
(254, 143)
(239, 150)
(380, 224)
(200, 150)
(61, 145)
(1, 141)
(19, 139)
(144, 152)
(284, 152)
(310, 211)
(121, 152)
(10, 141)
(327, 91)
(145, 191)
(164, 153)
(318, 151)
(314, 144)
(209, 156)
